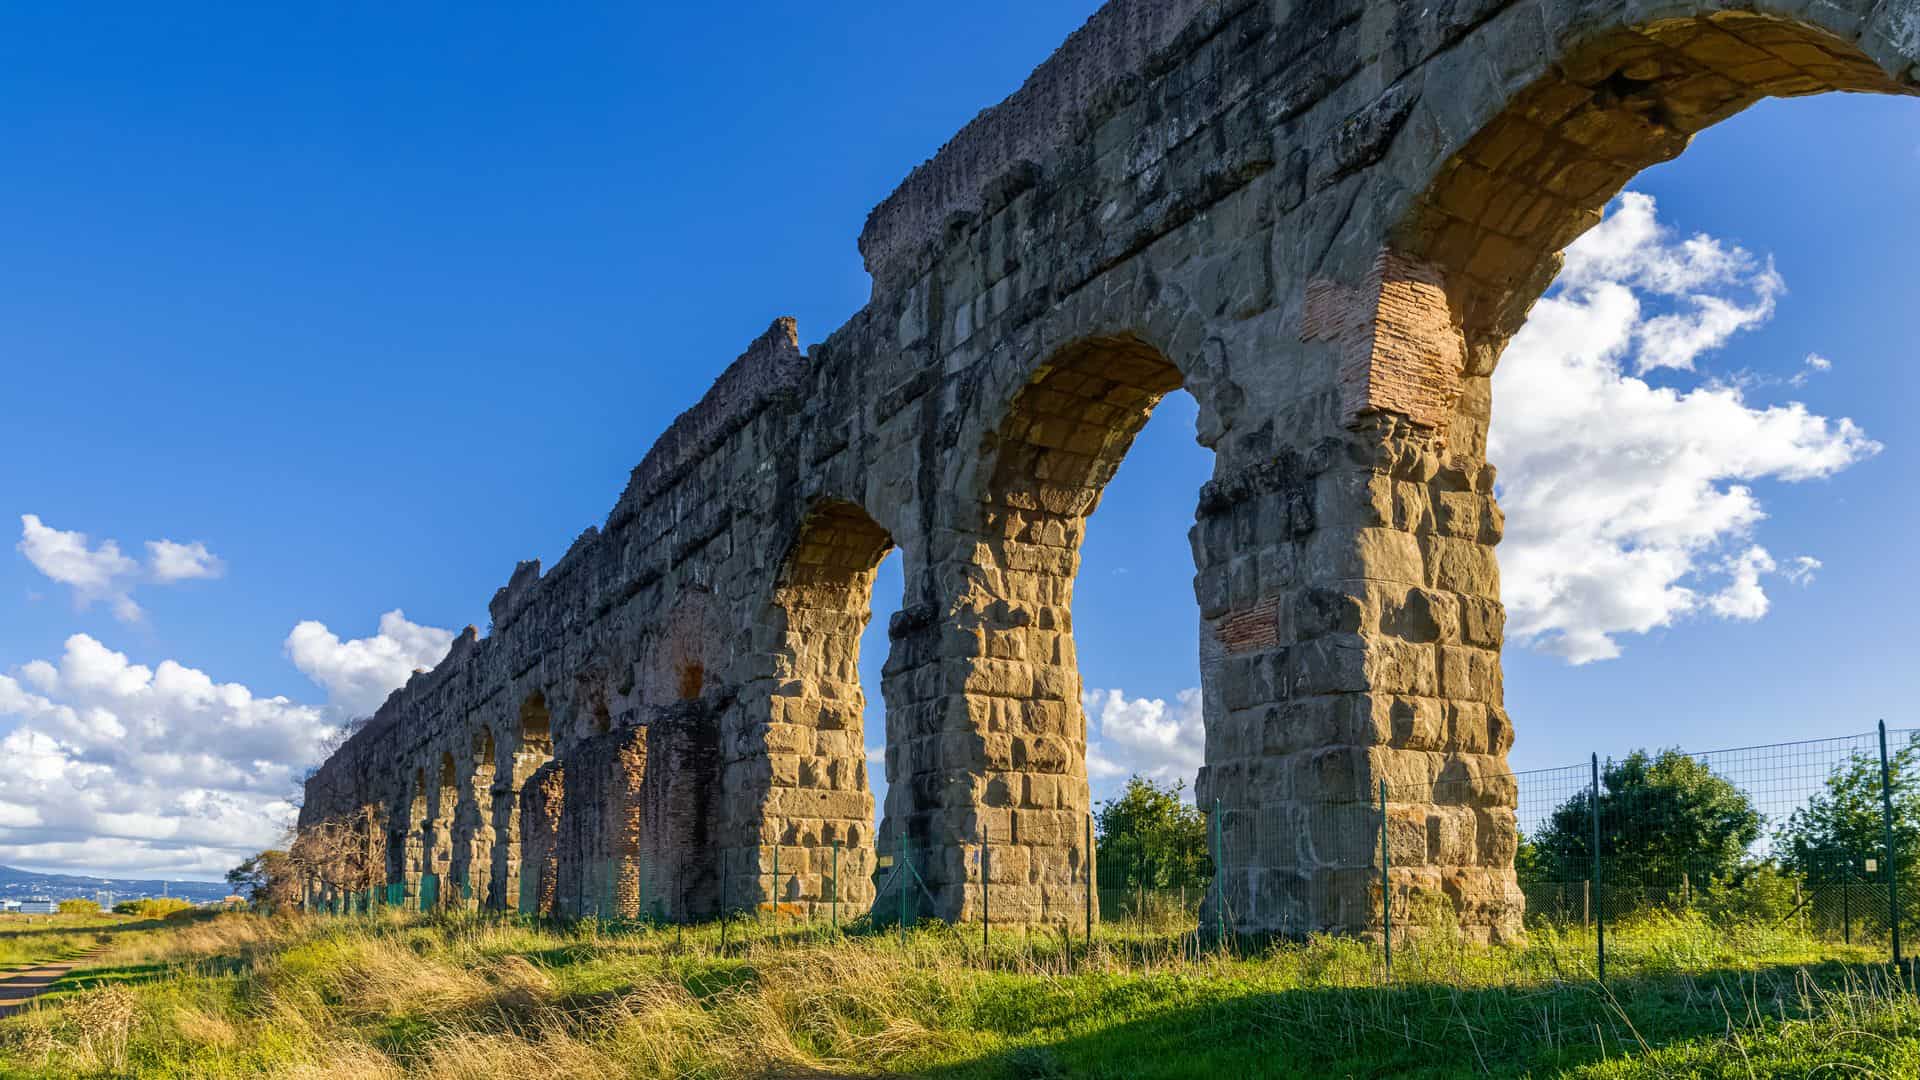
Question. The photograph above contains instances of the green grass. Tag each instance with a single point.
(395, 995)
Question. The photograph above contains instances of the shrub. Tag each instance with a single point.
(155, 907)
(1151, 839)
(79, 907)
(1763, 895)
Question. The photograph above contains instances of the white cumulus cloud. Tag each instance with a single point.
(1152, 737)
(70, 558)
(1631, 505)
(359, 674)
(115, 766)
(182, 562)
(101, 572)
(118, 768)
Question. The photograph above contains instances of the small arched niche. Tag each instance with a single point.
(531, 746)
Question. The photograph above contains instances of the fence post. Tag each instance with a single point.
(1090, 873)
(1599, 882)
(836, 884)
(723, 900)
(1386, 883)
(906, 856)
(773, 895)
(1893, 869)
(986, 914)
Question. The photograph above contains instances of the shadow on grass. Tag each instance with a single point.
(1115, 1029)
(136, 974)
(104, 928)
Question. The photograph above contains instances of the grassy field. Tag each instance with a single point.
(30, 939)
(240, 995)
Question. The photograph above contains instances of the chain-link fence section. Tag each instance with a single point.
(1816, 838)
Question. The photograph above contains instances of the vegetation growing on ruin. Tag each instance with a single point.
(241, 995)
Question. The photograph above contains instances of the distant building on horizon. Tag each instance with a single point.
(39, 905)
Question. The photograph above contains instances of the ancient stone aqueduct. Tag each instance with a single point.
(1321, 218)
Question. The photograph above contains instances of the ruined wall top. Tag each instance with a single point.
(771, 368)
(1113, 46)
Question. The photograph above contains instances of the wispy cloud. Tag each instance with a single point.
(102, 573)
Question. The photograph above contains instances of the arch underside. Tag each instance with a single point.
(1539, 174)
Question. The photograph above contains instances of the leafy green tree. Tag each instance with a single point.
(1149, 838)
(79, 907)
(1663, 820)
(1831, 838)
(1531, 864)
(267, 878)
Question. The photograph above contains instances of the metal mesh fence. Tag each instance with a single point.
(1820, 837)
(902, 890)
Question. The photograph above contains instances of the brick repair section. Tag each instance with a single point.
(1400, 352)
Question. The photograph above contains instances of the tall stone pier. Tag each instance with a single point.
(1323, 219)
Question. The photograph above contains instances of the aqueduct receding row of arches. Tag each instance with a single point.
(1323, 219)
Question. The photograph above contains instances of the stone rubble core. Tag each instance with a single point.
(1321, 218)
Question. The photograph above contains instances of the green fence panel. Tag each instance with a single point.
(429, 891)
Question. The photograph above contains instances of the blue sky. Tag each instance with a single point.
(374, 303)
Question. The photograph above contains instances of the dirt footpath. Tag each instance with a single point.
(18, 988)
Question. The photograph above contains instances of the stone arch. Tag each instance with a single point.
(417, 848)
(818, 797)
(443, 795)
(1418, 340)
(473, 824)
(395, 820)
(593, 712)
(516, 760)
(986, 732)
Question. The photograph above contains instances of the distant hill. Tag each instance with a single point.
(18, 884)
